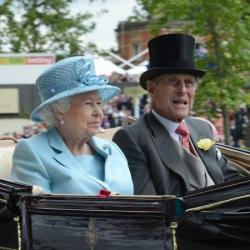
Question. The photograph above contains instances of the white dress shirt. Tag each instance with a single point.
(169, 125)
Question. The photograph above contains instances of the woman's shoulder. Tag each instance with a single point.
(102, 142)
(37, 139)
(106, 145)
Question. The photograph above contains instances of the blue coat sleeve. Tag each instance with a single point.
(28, 167)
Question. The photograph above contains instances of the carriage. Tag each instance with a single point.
(215, 217)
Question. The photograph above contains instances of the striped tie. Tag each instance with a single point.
(184, 134)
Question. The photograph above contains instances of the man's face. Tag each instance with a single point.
(172, 95)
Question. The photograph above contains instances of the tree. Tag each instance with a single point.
(5, 15)
(224, 29)
(42, 26)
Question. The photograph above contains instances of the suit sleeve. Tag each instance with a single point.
(137, 162)
(28, 167)
(230, 171)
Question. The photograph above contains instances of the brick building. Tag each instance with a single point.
(132, 38)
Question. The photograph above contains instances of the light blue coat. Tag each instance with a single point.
(46, 161)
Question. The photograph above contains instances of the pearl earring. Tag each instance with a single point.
(62, 122)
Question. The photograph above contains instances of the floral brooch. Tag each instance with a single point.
(205, 144)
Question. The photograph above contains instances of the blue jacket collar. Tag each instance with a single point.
(66, 158)
(101, 146)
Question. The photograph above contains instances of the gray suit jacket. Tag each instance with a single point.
(154, 161)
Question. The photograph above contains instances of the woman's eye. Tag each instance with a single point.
(88, 103)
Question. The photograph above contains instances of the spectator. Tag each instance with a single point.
(241, 121)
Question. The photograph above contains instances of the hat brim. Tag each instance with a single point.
(106, 92)
(151, 73)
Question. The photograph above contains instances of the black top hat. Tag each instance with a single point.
(170, 53)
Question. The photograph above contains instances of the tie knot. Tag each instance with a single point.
(182, 130)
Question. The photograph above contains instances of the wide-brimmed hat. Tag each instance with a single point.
(170, 53)
(68, 77)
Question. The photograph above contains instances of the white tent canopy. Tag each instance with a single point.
(135, 72)
(106, 67)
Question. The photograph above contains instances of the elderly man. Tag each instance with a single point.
(169, 152)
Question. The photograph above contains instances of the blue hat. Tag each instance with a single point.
(68, 77)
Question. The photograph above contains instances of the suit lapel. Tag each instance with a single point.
(167, 148)
(210, 162)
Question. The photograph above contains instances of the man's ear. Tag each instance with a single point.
(150, 87)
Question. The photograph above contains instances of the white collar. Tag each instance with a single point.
(169, 125)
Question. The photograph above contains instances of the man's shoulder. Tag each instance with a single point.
(197, 121)
(200, 126)
(137, 124)
(135, 129)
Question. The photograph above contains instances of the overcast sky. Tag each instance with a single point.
(104, 33)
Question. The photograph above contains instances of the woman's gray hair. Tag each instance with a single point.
(48, 114)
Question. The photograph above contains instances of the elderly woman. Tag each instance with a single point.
(68, 158)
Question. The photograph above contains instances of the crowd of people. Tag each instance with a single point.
(119, 107)
(115, 111)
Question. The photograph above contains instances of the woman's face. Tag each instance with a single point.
(85, 115)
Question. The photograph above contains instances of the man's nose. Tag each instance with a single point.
(182, 86)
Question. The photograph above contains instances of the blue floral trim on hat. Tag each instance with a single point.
(85, 73)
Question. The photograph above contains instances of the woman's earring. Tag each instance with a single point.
(62, 122)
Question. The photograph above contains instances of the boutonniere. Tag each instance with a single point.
(205, 144)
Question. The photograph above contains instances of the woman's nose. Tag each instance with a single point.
(98, 110)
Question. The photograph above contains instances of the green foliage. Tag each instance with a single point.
(223, 28)
(42, 26)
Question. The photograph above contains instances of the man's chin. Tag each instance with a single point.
(181, 117)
